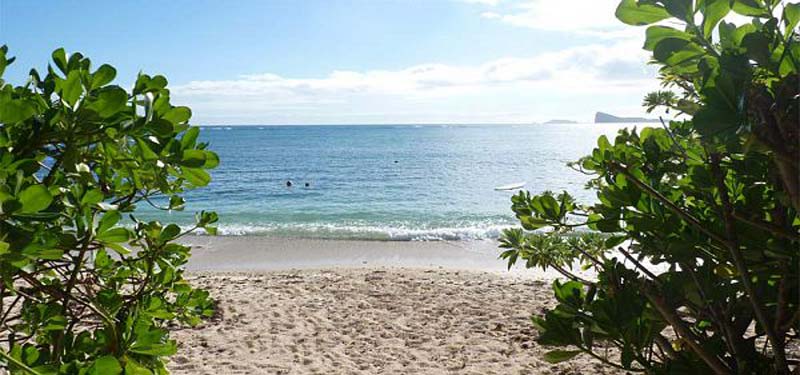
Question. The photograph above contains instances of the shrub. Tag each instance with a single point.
(83, 290)
(699, 269)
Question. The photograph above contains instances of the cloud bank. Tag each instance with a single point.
(510, 89)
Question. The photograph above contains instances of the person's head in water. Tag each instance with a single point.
(289, 183)
(308, 184)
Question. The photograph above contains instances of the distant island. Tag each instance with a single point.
(551, 122)
(602, 117)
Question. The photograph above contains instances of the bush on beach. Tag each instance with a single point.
(83, 290)
(711, 201)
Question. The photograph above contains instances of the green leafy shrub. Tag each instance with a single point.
(699, 269)
(83, 291)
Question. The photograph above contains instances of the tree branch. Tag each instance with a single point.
(732, 243)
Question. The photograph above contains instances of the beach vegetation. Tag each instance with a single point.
(85, 286)
(694, 263)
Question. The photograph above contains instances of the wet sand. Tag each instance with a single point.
(253, 253)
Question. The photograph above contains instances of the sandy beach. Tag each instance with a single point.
(424, 313)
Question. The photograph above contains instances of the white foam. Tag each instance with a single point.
(365, 232)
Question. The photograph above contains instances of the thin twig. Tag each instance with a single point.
(680, 327)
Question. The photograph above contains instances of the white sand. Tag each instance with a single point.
(370, 321)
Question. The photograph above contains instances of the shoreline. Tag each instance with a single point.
(257, 254)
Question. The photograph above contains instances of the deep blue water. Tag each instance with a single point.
(384, 182)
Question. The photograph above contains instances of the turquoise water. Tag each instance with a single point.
(384, 182)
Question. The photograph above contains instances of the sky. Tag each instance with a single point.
(352, 61)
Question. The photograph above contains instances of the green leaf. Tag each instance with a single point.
(719, 117)
(109, 101)
(193, 158)
(149, 343)
(639, 13)
(681, 9)
(115, 235)
(178, 115)
(656, 34)
(101, 259)
(169, 232)
(176, 202)
(212, 160)
(758, 47)
(38, 252)
(731, 36)
(92, 197)
(121, 250)
(673, 51)
(206, 217)
(714, 11)
(4, 62)
(56, 323)
(106, 365)
(71, 88)
(147, 152)
(134, 368)
(158, 82)
(161, 127)
(189, 138)
(104, 75)
(60, 58)
(557, 356)
(196, 176)
(11, 205)
(109, 219)
(4, 247)
(35, 198)
(614, 241)
(570, 293)
(791, 16)
(753, 8)
(14, 111)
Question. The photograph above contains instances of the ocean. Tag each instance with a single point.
(383, 182)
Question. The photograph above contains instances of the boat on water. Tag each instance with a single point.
(516, 186)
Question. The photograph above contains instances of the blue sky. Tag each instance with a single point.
(379, 61)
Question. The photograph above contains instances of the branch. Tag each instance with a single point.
(744, 273)
(672, 136)
(639, 265)
(671, 205)
(571, 276)
(766, 226)
(680, 327)
(17, 363)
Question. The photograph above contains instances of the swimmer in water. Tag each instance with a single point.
(308, 184)
(289, 183)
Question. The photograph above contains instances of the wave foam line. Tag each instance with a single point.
(365, 232)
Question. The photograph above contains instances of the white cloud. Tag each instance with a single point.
(508, 89)
(590, 17)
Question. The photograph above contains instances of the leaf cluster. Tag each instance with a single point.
(699, 269)
(85, 287)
